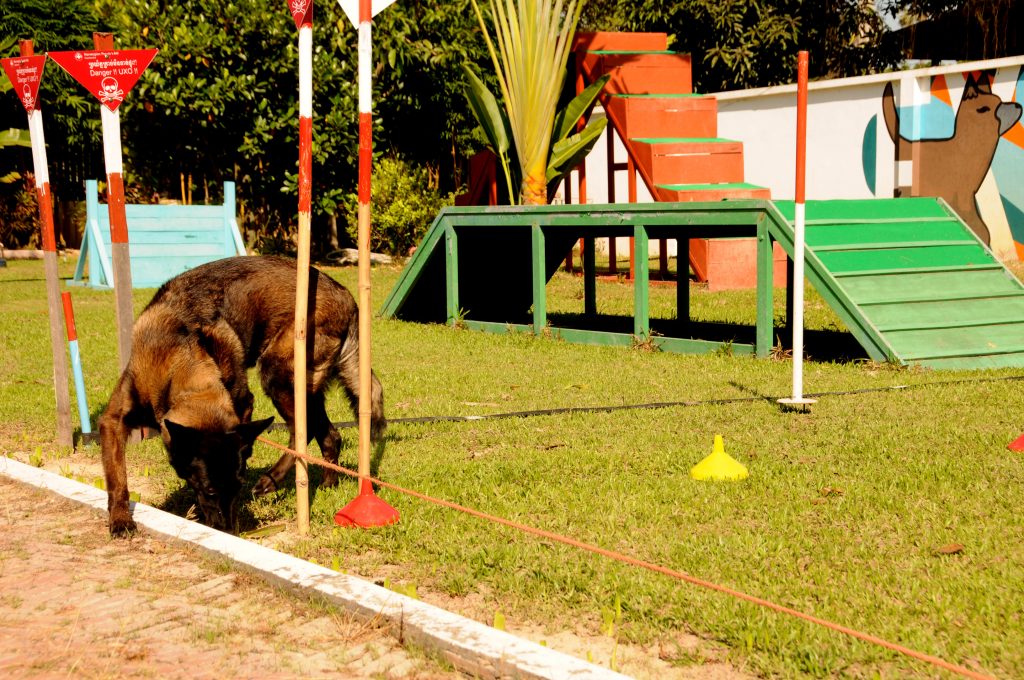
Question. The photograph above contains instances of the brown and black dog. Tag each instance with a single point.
(955, 168)
(187, 376)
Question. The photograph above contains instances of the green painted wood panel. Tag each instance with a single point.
(976, 362)
(905, 258)
(945, 285)
(878, 208)
(946, 314)
(885, 232)
(947, 342)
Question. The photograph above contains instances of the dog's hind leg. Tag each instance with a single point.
(326, 434)
(348, 374)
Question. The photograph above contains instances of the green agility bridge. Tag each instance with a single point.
(906, 276)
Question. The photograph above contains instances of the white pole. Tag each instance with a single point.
(798, 400)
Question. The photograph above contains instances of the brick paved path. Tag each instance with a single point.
(75, 603)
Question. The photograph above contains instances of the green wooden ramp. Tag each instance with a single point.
(910, 281)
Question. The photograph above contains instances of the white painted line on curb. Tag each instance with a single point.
(471, 646)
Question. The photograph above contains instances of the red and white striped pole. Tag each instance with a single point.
(302, 11)
(119, 255)
(30, 68)
(798, 400)
(366, 510)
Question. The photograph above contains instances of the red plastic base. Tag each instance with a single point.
(1017, 444)
(366, 510)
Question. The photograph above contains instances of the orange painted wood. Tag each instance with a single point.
(707, 194)
(691, 162)
(646, 74)
(731, 264)
(664, 117)
(620, 41)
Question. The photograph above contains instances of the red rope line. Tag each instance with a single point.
(621, 557)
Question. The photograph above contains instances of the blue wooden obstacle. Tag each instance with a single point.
(163, 240)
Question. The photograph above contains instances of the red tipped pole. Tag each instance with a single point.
(25, 73)
(302, 12)
(111, 120)
(366, 510)
(76, 363)
(798, 400)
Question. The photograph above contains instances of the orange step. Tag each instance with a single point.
(660, 115)
(690, 160)
(620, 41)
(716, 191)
(640, 72)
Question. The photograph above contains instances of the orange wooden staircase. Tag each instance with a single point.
(671, 136)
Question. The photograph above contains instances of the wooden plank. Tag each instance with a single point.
(865, 209)
(906, 258)
(975, 362)
(765, 323)
(451, 275)
(540, 279)
(182, 239)
(169, 212)
(948, 342)
(589, 277)
(830, 234)
(641, 286)
(196, 251)
(946, 314)
(887, 245)
(939, 285)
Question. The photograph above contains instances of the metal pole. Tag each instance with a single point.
(798, 399)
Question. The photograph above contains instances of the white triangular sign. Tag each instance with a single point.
(351, 8)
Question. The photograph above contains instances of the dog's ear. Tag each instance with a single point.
(181, 442)
(971, 90)
(249, 431)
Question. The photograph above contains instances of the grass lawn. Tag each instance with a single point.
(851, 512)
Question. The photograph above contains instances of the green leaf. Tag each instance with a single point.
(15, 137)
(566, 119)
(492, 118)
(570, 152)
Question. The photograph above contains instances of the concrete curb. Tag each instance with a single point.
(470, 646)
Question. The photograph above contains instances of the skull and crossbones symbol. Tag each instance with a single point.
(110, 91)
(298, 7)
(27, 99)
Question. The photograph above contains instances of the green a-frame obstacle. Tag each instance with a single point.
(907, 277)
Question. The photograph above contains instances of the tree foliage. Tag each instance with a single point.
(740, 44)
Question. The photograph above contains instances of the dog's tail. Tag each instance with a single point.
(892, 123)
(348, 373)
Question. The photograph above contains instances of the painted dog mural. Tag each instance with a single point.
(955, 167)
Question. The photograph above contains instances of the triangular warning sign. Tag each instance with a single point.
(302, 11)
(25, 74)
(351, 8)
(108, 75)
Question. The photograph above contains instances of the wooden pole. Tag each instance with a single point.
(366, 510)
(42, 177)
(302, 265)
(119, 253)
(363, 237)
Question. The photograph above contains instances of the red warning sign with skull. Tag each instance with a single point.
(25, 74)
(302, 11)
(108, 75)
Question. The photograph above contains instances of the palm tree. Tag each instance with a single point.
(533, 40)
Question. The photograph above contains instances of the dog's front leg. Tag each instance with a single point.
(113, 435)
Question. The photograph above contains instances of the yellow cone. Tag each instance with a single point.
(719, 465)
